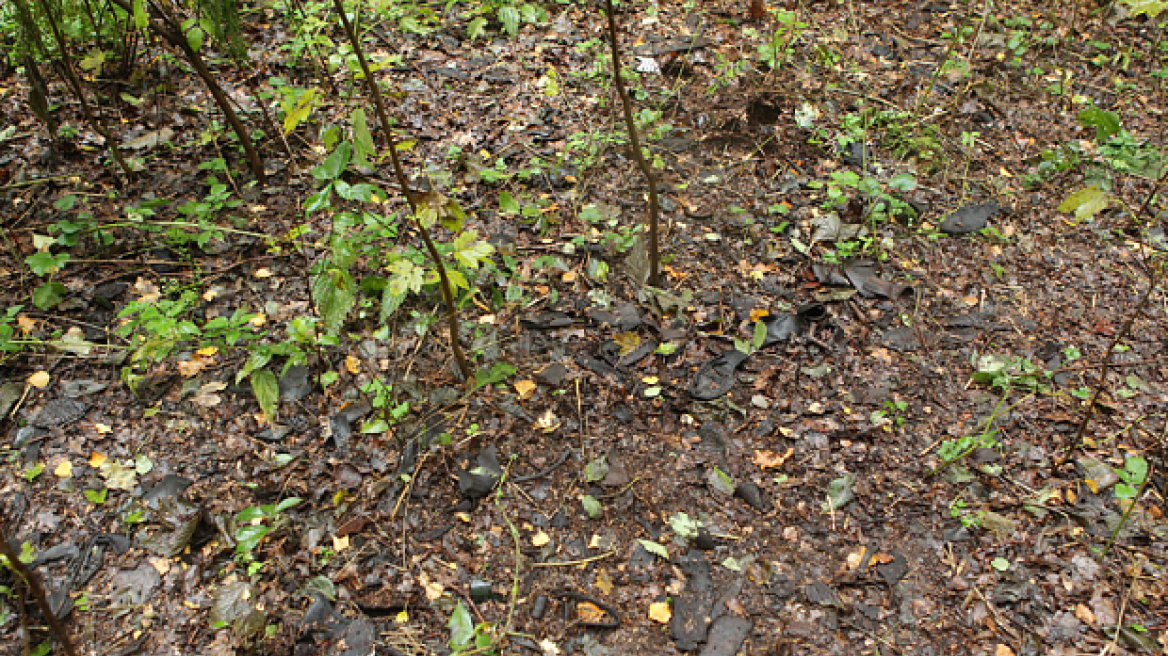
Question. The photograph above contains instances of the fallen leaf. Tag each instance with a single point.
(263, 273)
(1003, 650)
(207, 397)
(660, 612)
(1085, 614)
(102, 429)
(880, 559)
(208, 351)
(627, 341)
(525, 388)
(603, 582)
(589, 612)
(770, 459)
(340, 543)
(258, 320)
(64, 469)
(757, 315)
(39, 379)
(549, 648)
(540, 539)
(352, 364)
(26, 323)
(97, 460)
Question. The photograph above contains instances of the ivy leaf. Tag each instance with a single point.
(507, 203)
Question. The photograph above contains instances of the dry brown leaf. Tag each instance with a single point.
(603, 582)
(589, 612)
(525, 388)
(770, 459)
(660, 612)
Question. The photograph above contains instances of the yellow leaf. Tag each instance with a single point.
(540, 539)
(64, 470)
(603, 582)
(660, 612)
(650, 380)
(402, 618)
(208, 351)
(258, 320)
(341, 543)
(352, 364)
(96, 460)
(26, 324)
(1093, 485)
(757, 314)
(525, 388)
(568, 276)
(103, 429)
(627, 341)
(263, 273)
(39, 379)
(589, 612)
(770, 459)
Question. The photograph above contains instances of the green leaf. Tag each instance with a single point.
(1137, 469)
(509, 17)
(760, 334)
(1000, 564)
(476, 28)
(592, 506)
(596, 470)
(362, 139)
(141, 20)
(333, 165)
(498, 372)
(195, 37)
(267, 391)
(391, 300)
(507, 203)
(839, 493)
(335, 293)
(300, 112)
(720, 481)
(96, 497)
(1149, 7)
(48, 295)
(903, 182)
(469, 251)
(684, 526)
(1106, 123)
(1086, 203)
(655, 549)
(461, 627)
(44, 262)
(405, 277)
(374, 427)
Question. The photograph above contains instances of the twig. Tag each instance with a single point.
(35, 589)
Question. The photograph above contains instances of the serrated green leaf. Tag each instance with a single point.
(405, 277)
(1085, 203)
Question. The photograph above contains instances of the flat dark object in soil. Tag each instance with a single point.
(726, 635)
(970, 218)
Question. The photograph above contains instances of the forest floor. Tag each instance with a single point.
(851, 420)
